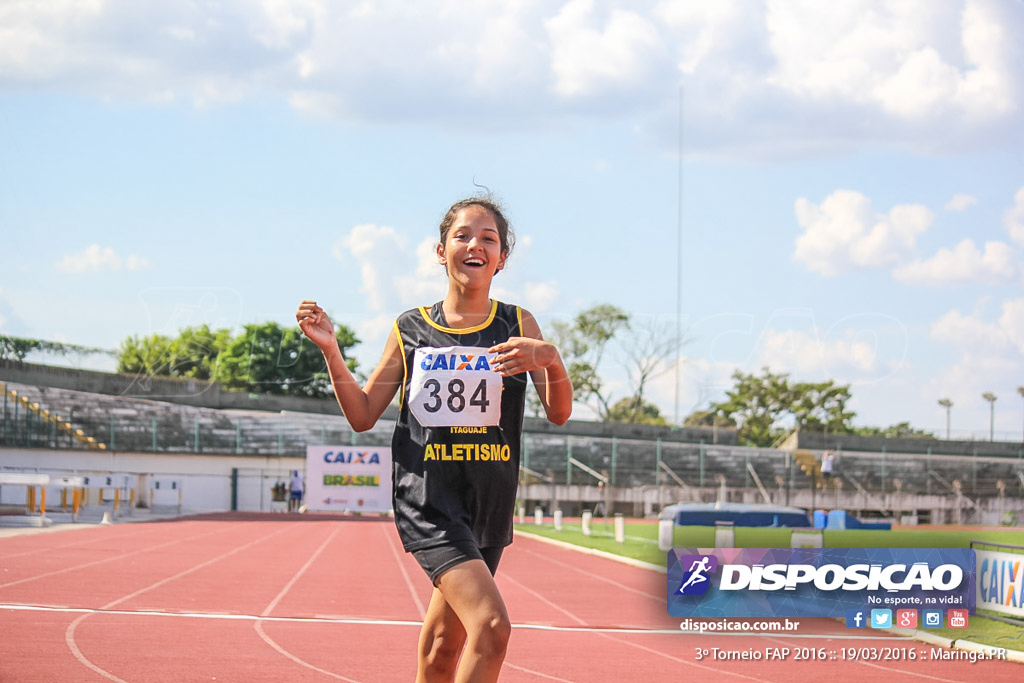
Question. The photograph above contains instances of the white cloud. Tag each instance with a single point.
(964, 263)
(155, 50)
(758, 77)
(372, 333)
(395, 277)
(846, 233)
(808, 354)
(973, 336)
(539, 297)
(913, 60)
(428, 282)
(960, 202)
(97, 259)
(1013, 219)
(987, 86)
(703, 28)
(1012, 323)
(381, 254)
(590, 57)
(990, 358)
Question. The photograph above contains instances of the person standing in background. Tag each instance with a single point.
(295, 486)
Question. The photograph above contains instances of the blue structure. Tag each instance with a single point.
(739, 514)
(840, 519)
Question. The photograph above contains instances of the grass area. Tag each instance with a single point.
(642, 544)
(642, 538)
(991, 632)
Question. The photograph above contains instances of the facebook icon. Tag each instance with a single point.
(856, 618)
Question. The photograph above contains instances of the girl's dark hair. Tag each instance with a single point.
(508, 238)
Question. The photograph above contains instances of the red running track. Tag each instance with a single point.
(323, 598)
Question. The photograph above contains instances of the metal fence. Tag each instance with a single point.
(37, 417)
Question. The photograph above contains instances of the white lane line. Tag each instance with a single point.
(50, 549)
(405, 575)
(69, 633)
(302, 570)
(258, 626)
(656, 598)
(363, 621)
(613, 635)
(539, 674)
(113, 558)
(595, 552)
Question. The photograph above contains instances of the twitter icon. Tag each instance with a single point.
(881, 618)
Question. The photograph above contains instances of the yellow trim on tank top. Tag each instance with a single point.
(425, 312)
(405, 365)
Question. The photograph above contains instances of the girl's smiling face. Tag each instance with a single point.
(472, 251)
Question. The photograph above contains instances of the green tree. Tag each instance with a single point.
(17, 348)
(650, 350)
(267, 358)
(646, 352)
(583, 343)
(761, 404)
(757, 404)
(821, 407)
(635, 412)
(708, 418)
(145, 356)
(900, 430)
(192, 354)
(270, 358)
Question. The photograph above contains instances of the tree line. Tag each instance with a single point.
(272, 358)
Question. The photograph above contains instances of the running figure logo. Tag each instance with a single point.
(696, 580)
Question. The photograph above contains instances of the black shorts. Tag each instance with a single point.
(438, 559)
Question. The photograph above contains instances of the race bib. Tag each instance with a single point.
(455, 386)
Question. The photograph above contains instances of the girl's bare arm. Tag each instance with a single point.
(530, 353)
(362, 406)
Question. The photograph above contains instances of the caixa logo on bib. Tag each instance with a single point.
(454, 386)
(816, 582)
(454, 361)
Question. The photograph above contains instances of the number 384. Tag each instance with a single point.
(454, 396)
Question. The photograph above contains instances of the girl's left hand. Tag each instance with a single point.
(522, 354)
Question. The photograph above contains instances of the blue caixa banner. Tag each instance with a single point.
(816, 582)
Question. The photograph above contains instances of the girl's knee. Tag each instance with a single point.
(493, 635)
(441, 656)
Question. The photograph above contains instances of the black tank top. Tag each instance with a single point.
(457, 441)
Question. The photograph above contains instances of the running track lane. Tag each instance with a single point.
(283, 598)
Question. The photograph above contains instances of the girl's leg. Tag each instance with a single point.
(441, 641)
(465, 608)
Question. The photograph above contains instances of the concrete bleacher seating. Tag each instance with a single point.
(65, 418)
(922, 473)
(134, 424)
(635, 462)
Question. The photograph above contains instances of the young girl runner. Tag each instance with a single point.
(460, 365)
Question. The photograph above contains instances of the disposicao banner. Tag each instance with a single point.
(818, 582)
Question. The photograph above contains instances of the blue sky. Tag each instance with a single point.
(851, 191)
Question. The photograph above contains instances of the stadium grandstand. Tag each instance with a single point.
(194, 445)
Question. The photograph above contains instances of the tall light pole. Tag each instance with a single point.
(991, 398)
(947, 404)
(1020, 390)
